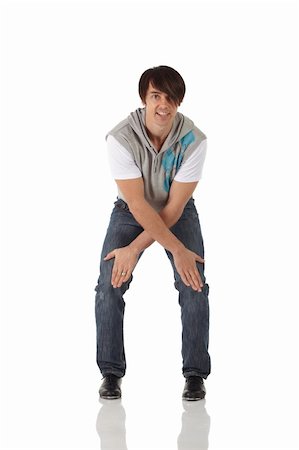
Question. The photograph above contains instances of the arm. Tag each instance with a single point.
(156, 229)
(179, 195)
(146, 216)
(181, 190)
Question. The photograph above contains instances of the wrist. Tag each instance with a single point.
(178, 249)
(134, 248)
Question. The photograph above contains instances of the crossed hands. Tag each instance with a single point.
(125, 260)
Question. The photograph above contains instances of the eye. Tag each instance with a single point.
(156, 96)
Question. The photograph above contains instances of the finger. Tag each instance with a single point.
(127, 276)
(192, 280)
(195, 279)
(120, 278)
(196, 274)
(199, 258)
(123, 278)
(114, 275)
(184, 279)
(200, 281)
(109, 256)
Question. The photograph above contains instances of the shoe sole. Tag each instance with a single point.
(193, 399)
(110, 397)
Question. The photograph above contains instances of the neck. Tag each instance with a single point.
(157, 134)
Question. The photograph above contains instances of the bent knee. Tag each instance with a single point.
(104, 287)
(183, 288)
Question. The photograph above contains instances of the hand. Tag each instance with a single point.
(125, 261)
(185, 263)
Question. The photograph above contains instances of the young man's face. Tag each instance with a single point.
(160, 110)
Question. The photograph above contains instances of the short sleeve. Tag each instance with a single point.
(191, 169)
(122, 164)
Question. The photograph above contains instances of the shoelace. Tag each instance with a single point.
(193, 381)
(111, 379)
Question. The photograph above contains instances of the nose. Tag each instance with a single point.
(164, 102)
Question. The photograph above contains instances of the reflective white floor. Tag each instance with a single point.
(64, 412)
(192, 434)
(246, 415)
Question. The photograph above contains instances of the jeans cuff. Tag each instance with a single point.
(115, 372)
(194, 373)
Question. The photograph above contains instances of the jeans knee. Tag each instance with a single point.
(105, 290)
(193, 301)
(108, 301)
(183, 288)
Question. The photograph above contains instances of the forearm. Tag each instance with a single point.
(156, 227)
(169, 215)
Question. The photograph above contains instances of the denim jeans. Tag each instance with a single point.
(110, 305)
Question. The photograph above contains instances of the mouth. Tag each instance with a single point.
(162, 114)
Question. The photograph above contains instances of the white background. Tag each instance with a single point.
(69, 73)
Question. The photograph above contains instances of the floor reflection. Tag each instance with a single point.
(195, 426)
(194, 434)
(111, 425)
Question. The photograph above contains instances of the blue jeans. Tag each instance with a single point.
(110, 305)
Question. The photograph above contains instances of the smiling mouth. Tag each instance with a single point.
(162, 114)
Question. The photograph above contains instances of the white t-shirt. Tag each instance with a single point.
(123, 166)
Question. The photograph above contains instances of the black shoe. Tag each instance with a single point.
(110, 388)
(194, 389)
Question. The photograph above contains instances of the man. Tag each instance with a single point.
(156, 156)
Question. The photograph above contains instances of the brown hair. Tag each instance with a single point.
(166, 80)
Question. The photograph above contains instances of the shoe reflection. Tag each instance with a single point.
(111, 425)
(195, 426)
